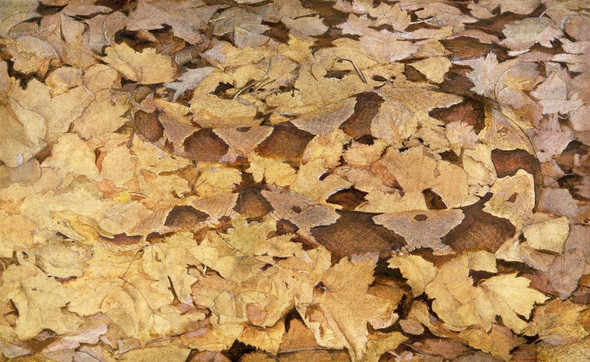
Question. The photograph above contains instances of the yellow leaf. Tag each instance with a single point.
(169, 352)
(170, 259)
(418, 271)
(266, 339)
(558, 322)
(433, 68)
(461, 305)
(272, 170)
(381, 343)
(341, 307)
(308, 181)
(499, 341)
(215, 180)
(16, 233)
(39, 299)
(511, 297)
(72, 155)
(548, 235)
(513, 198)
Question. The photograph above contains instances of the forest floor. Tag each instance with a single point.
(285, 180)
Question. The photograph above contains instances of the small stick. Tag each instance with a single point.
(358, 71)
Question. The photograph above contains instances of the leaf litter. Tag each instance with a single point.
(254, 180)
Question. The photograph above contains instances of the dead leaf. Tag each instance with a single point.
(145, 67)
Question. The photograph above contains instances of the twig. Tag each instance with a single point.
(358, 71)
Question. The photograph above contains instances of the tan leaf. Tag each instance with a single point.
(513, 198)
(445, 179)
(460, 305)
(16, 233)
(340, 311)
(328, 148)
(185, 18)
(39, 300)
(418, 271)
(145, 67)
(271, 170)
(525, 33)
(308, 181)
(433, 68)
(169, 260)
(548, 235)
(266, 339)
(72, 155)
(558, 322)
(499, 341)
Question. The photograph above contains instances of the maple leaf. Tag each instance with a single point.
(327, 148)
(391, 15)
(35, 118)
(245, 261)
(460, 304)
(267, 339)
(418, 271)
(232, 255)
(446, 180)
(72, 155)
(125, 297)
(340, 311)
(272, 170)
(315, 94)
(402, 114)
(433, 68)
(499, 341)
(145, 67)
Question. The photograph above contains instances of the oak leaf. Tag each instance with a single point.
(39, 299)
(170, 260)
(186, 18)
